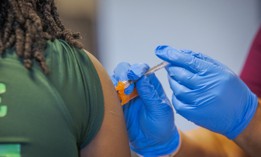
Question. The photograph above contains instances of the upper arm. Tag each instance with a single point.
(111, 140)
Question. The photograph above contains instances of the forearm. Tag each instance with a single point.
(194, 144)
(250, 139)
(204, 143)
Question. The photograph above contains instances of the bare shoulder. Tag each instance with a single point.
(98, 66)
(111, 139)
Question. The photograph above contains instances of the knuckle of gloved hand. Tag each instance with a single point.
(197, 65)
(186, 51)
(191, 60)
(229, 77)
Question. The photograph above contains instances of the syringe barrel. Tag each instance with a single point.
(156, 68)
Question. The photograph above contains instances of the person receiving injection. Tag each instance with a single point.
(205, 92)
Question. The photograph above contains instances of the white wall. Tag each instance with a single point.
(129, 30)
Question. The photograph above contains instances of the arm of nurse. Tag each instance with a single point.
(201, 142)
(250, 138)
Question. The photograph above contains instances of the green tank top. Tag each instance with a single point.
(52, 115)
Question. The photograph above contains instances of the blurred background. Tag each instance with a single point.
(120, 30)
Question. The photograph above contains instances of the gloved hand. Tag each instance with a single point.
(207, 93)
(150, 116)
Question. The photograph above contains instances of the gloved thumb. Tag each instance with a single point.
(136, 71)
(120, 74)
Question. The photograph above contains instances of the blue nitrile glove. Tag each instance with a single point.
(207, 93)
(150, 116)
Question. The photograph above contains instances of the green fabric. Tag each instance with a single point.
(10, 150)
(50, 115)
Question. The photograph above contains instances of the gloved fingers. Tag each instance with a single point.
(137, 70)
(146, 90)
(180, 91)
(134, 72)
(176, 87)
(121, 70)
(185, 60)
(129, 89)
(113, 79)
(149, 95)
(187, 51)
(183, 76)
(120, 74)
(180, 107)
(131, 111)
(153, 80)
(183, 108)
(186, 95)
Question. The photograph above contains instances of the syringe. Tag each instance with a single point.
(156, 68)
(122, 85)
(150, 71)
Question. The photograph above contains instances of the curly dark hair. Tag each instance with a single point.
(27, 25)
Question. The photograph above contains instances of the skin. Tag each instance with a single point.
(204, 143)
(111, 140)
